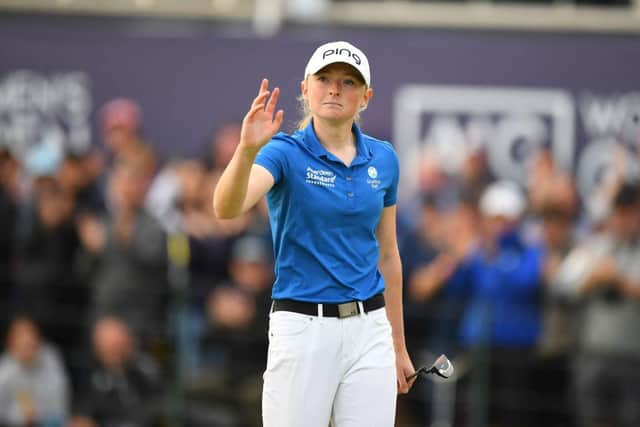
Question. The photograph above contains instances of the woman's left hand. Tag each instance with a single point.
(404, 368)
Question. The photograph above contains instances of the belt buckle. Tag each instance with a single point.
(347, 309)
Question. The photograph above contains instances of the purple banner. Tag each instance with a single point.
(514, 90)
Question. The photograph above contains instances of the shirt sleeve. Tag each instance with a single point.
(273, 157)
(391, 195)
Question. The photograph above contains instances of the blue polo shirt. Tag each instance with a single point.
(324, 214)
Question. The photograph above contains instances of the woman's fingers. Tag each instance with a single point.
(278, 120)
(264, 85)
(262, 91)
(271, 105)
(261, 98)
(260, 120)
(255, 109)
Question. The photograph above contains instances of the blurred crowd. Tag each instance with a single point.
(125, 302)
(533, 290)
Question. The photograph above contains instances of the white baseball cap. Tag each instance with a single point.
(330, 53)
(503, 198)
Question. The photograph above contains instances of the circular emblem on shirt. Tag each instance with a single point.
(373, 172)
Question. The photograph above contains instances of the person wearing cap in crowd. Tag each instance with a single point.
(499, 278)
(502, 280)
(337, 350)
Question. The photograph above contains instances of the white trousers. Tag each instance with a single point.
(325, 369)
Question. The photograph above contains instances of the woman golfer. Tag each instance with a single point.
(336, 338)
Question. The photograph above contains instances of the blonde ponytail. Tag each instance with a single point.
(305, 112)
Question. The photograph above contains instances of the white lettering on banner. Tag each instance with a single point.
(606, 115)
(612, 128)
(320, 177)
(38, 109)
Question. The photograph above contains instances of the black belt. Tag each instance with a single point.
(343, 310)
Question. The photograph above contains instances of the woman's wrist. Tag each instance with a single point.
(399, 346)
(248, 150)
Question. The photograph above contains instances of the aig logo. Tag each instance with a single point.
(345, 52)
(444, 124)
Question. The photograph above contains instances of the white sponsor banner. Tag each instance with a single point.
(445, 123)
(50, 110)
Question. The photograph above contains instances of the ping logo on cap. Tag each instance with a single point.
(342, 51)
(339, 51)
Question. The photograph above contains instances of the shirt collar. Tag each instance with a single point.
(363, 151)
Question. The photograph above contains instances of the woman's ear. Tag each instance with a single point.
(367, 97)
(303, 88)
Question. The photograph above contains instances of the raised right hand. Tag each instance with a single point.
(260, 124)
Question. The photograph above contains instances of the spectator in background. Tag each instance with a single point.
(121, 125)
(8, 221)
(622, 166)
(500, 278)
(503, 281)
(474, 174)
(177, 180)
(419, 249)
(213, 250)
(223, 145)
(446, 237)
(557, 210)
(547, 184)
(180, 198)
(178, 188)
(553, 202)
(603, 274)
(129, 279)
(124, 387)
(234, 345)
(455, 237)
(33, 383)
(78, 178)
(504, 274)
(46, 286)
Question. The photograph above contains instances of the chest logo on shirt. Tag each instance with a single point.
(373, 174)
(320, 177)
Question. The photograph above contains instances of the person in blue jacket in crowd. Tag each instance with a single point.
(503, 276)
(499, 279)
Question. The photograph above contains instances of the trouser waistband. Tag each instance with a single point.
(343, 310)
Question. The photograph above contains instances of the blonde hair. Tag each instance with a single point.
(307, 115)
(305, 112)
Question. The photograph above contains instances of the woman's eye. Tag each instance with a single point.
(322, 78)
(350, 82)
